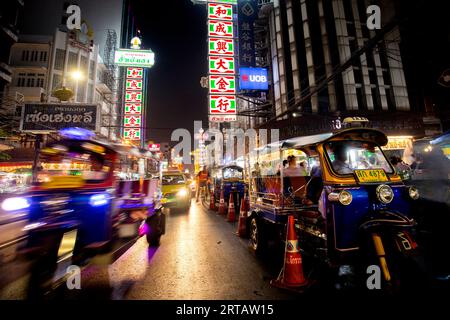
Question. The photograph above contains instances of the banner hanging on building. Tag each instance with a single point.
(247, 14)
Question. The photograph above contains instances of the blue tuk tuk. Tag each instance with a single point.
(351, 209)
(229, 179)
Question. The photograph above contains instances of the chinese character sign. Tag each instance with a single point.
(222, 104)
(133, 108)
(221, 46)
(221, 65)
(134, 84)
(135, 73)
(132, 120)
(220, 29)
(222, 84)
(132, 134)
(221, 60)
(219, 11)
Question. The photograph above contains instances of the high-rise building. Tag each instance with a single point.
(310, 41)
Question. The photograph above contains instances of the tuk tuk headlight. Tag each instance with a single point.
(17, 203)
(385, 194)
(413, 193)
(345, 197)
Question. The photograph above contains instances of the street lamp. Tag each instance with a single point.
(76, 75)
(64, 93)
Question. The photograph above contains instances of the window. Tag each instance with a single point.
(24, 55)
(56, 81)
(73, 60)
(43, 56)
(59, 59)
(91, 69)
(40, 82)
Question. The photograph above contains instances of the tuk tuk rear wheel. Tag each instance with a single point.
(258, 240)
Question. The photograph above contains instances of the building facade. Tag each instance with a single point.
(42, 64)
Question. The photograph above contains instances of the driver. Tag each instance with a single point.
(340, 164)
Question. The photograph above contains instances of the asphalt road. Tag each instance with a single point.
(200, 257)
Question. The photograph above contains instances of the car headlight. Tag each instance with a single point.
(385, 194)
(413, 193)
(98, 200)
(182, 193)
(14, 204)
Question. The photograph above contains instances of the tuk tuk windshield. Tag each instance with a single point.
(347, 156)
(66, 161)
(233, 173)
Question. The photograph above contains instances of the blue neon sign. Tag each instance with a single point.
(253, 79)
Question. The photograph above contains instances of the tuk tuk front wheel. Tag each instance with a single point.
(258, 239)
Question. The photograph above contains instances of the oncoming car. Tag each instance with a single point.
(176, 191)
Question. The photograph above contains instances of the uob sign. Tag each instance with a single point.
(253, 79)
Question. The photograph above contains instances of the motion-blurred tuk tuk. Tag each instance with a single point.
(90, 199)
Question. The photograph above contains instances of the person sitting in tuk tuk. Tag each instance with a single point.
(293, 170)
(340, 164)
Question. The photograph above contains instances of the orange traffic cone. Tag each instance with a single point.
(291, 275)
(212, 202)
(222, 209)
(231, 217)
(242, 222)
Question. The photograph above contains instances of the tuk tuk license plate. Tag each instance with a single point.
(371, 176)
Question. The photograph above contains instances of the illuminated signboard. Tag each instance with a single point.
(134, 58)
(133, 108)
(154, 147)
(132, 120)
(221, 62)
(222, 84)
(221, 65)
(221, 46)
(132, 134)
(220, 29)
(253, 79)
(135, 73)
(134, 84)
(133, 96)
(221, 118)
(219, 104)
(220, 11)
(225, 1)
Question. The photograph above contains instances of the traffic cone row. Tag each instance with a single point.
(231, 216)
(291, 275)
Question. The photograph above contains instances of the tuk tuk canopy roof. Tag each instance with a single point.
(364, 134)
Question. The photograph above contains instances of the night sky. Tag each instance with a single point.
(177, 35)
